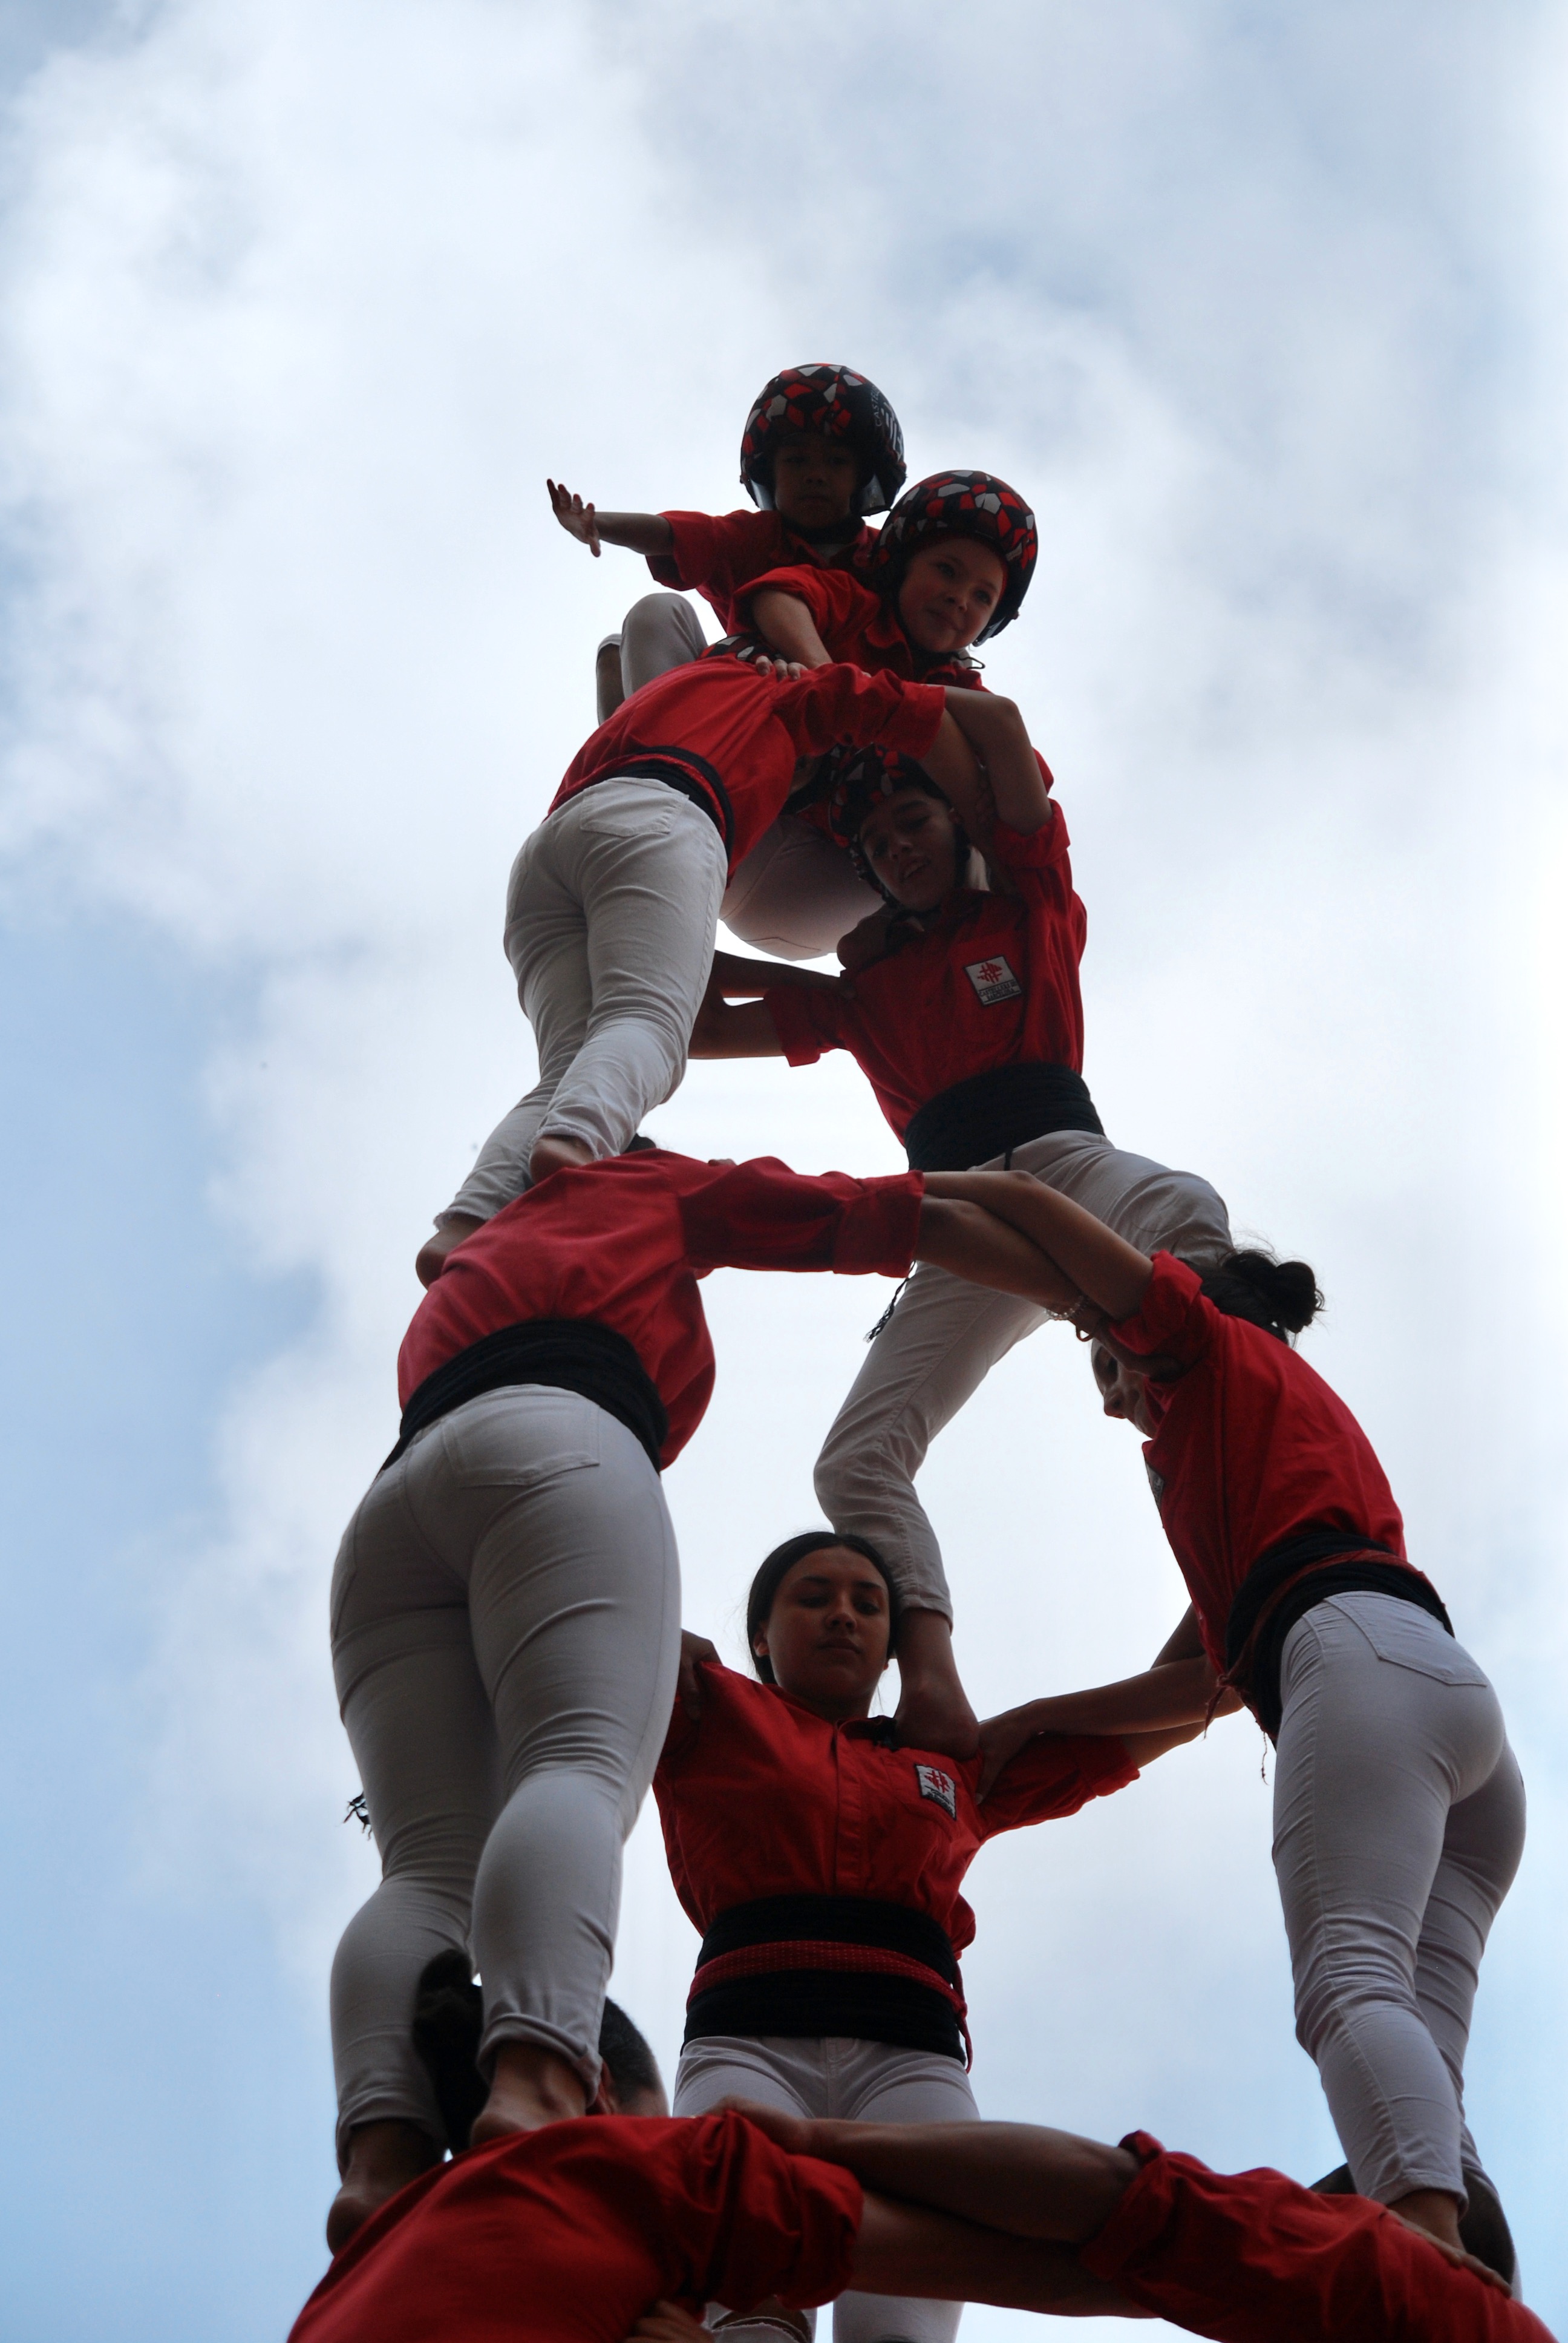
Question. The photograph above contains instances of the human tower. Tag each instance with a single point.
(505, 1607)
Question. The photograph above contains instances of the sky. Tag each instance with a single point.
(301, 303)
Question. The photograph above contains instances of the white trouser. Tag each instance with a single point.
(506, 1628)
(1399, 1823)
(849, 2081)
(945, 1337)
(796, 893)
(612, 913)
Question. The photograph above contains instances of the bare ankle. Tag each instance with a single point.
(431, 1257)
(382, 2157)
(557, 1155)
(531, 2086)
(1435, 2210)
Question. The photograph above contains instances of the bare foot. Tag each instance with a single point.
(382, 2159)
(530, 2088)
(556, 1155)
(430, 1258)
(934, 1711)
(1433, 2210)
(609, 687)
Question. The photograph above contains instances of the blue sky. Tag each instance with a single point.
(302, 302)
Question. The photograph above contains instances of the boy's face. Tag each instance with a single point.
(814, 479)
(950, 592)
(911, 843)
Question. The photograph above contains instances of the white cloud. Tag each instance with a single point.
(303, 303)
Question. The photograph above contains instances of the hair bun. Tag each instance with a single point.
(1280, 1295)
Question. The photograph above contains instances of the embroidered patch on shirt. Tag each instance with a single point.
(939, 1788)
(1156, 1481)
(993, 980)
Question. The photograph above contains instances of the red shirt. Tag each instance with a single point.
(624, 1242)
(1251, 1447)
(716, 554)
(736, 736)
(1253, 2254)
(861, 626)
(762, 1798)
(569, 2235)
(993, 981)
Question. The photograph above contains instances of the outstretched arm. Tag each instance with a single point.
(639, 532)
(978, 1245)
(1169, 1703)
(1106, 1271)
(983, 2212)
(732, 1022)
(996, 732)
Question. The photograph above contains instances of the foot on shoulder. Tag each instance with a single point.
(382, 2157)
(556, 1154)
(431, 1257)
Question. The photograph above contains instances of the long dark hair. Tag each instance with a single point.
(1281, 1296)
(776, 1569)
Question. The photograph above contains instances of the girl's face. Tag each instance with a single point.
(827, 1633)
(950, 592)
(814, 479)
(1123, 1389)
(910, 843)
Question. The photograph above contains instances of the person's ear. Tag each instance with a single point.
(759, 1648)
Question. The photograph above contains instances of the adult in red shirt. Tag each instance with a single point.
(506, 1606)
(821, 447)
(1399, 1811)
(964, 1012)
(824, 1866)
(588, 2232)
(612, 903)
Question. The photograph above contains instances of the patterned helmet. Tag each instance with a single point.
(960, 504)
(839, 404)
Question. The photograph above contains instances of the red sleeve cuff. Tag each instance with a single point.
(1175, 1315)
(918, 719)
(832, 2207)
(799, 1024)
(880, 1228)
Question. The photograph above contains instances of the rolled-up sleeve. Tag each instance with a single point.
(1175, 1319)
(763, 1215)
(806, 1020)
(791, 2225)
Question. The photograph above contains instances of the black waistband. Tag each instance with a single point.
(834, 1920)
(1362, 1572)
(809, 2004)
(574, 1355)
(993, 1112)
(692, 775)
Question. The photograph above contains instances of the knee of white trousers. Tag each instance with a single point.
(660, 631)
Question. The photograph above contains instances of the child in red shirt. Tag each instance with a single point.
(824, 1865)
(820, 449)
(949, 568)
(1399, 1811)
(963, 1011)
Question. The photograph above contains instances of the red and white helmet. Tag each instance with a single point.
(839, 404)
(960, 504)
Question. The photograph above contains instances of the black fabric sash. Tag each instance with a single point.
(1257, 1672)
(692, 775)
(991, 1114)
(810, 2003)
(574, 1355)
